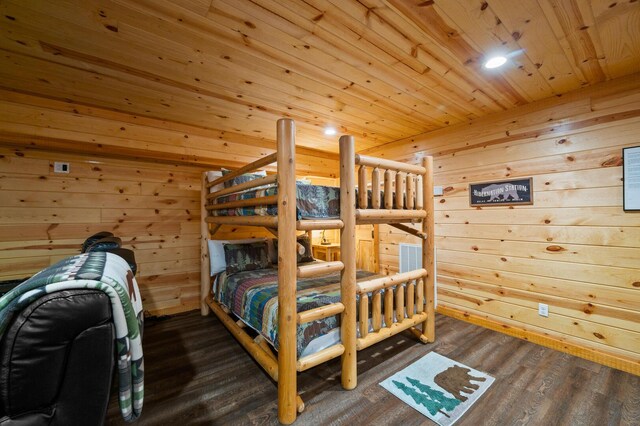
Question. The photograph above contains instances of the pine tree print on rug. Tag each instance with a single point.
(438, 387)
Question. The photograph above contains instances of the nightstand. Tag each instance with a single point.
(328, 253)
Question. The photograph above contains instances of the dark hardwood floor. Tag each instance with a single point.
(197, 374)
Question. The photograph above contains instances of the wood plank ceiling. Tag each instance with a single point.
(381, 70)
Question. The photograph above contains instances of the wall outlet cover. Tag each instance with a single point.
(59, 167)
(543, 309)
(437, 191)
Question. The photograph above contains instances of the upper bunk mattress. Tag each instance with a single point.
(253, 297)
(312, 202)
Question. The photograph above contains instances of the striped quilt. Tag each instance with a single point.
(253, 297)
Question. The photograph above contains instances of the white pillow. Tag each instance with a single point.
(216, 252)
(213, 175)
(258, 172)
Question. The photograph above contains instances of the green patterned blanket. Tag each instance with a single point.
(253, 297)
(312, 201)
(108, 273)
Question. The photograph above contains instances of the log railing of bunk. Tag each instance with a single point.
(398, 302)
(404, 300)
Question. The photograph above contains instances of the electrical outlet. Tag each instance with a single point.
(59, 167)
(543, 309)
(437, 191)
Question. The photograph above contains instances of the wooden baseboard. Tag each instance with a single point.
(610, 360)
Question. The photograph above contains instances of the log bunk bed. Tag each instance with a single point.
(370, 310)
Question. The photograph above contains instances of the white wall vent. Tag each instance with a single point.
(411, 259)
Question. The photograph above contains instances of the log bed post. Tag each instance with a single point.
(400, 187)
(419, 193)
(347, 250)
(375, 188)
(388, 192)
(287, 370)
(362, 188)
(428, 248)
(205, 273)
(411, 191)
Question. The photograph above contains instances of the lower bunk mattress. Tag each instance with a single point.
(253, 297)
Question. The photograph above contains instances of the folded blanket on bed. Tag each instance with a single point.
(111, 274)
(253, 297)
(312, 201)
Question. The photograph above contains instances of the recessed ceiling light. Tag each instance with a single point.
(330, 131)
(495, 62)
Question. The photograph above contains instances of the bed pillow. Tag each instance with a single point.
(273, 250)
(216, 252)
(303, 249)
(242, 178)
(246, 257)
(213, 175)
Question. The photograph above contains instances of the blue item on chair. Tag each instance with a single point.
(95, 237)
(104, 244)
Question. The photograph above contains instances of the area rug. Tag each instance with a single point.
(438, 387)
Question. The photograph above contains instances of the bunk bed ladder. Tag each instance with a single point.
(405, 300)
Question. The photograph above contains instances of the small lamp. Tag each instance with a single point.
(324, 240)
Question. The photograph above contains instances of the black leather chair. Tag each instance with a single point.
(57, 355)
(57, 359)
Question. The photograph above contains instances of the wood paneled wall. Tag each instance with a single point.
(574, 249)
(152, 207)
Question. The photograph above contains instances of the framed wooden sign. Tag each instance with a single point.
(503, 193)
(631, 178)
